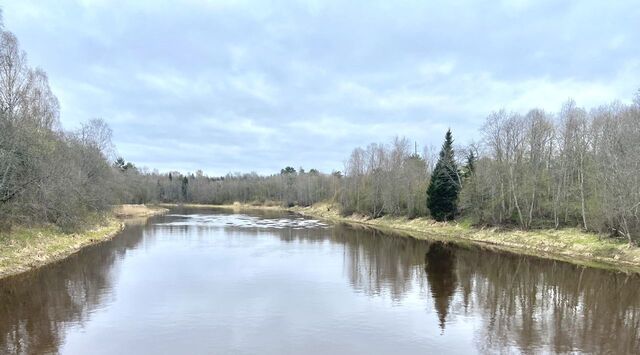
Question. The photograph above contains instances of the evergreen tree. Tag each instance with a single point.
(442, 194)
(288, 171)
(470, 168)
(185, 185)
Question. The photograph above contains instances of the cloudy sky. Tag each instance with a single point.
(256, 85)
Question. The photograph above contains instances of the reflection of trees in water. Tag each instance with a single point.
(35, 307)
(532, 303)
(441, 274)
(379, 263)
(375, 262)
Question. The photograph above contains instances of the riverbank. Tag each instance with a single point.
(134, 211)
(26, 248)
(568, 244)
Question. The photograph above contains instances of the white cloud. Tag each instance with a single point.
(271, 84)
(255, 85)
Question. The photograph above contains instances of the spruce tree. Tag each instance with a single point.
(442, 194)
(470, 168)
(185, 187)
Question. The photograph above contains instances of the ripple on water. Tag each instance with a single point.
(242, 221)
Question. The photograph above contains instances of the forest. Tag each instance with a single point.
(571, 168)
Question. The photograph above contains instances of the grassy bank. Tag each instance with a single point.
(129, 211)
(569, 244)
(24, 248)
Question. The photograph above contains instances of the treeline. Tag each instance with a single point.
(289, 187)
(574, 168)
(47, 175)
(378, 180)
(385, 179)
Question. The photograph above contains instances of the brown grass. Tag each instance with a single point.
(24, 248)
(127, 211)
(569, 244)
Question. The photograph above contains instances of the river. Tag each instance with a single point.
(215, 282)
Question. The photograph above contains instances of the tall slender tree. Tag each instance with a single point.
(185, 188)
(442, 194)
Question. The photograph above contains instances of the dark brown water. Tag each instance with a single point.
(211, 283)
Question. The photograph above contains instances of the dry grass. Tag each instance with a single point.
(137, 211)
(24, 248)
(568, 244)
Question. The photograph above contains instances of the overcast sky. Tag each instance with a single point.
(256, 85)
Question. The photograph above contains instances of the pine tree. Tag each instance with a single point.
(442, 194)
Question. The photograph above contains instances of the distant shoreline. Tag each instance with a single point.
(568, 244)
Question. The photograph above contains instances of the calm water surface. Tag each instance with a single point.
(211, 282)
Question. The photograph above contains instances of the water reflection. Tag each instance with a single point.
(35, 307)
(440, 266)
(532, 304)
(500, 300)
